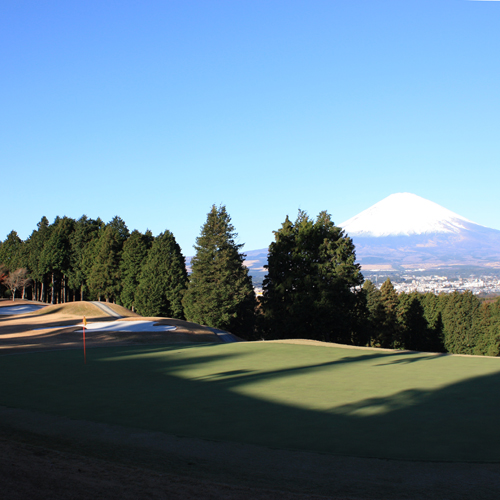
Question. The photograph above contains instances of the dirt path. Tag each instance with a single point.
(106, 309)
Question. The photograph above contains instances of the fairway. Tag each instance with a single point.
(365, 403)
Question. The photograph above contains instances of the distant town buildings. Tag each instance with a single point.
(485, 285)
(442, 284)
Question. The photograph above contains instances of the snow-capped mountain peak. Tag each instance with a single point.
(404, 214)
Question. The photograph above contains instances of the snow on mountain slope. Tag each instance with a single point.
(405, 214)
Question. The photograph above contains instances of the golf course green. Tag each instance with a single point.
(366, 403)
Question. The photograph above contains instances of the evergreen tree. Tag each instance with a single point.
(389, 298)
(56, 255)
(375, 311)
(433, 315)
(493, 348)
(34, 247)
(135, 251)
(486, 342)
(413, 331)
(104, 276)
(11, 252)
(163, 280)
(461, 320)
(311, 289)
(86, 231)
(220, 292)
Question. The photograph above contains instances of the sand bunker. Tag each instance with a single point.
(22, 309)
(127, 326)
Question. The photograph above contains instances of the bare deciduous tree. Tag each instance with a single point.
(17, 279)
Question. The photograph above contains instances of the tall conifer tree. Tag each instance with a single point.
(135, 251)
(163, 279)
(220, 292)
(390, 328)
(104, 276)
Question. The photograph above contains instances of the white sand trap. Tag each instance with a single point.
(21, 309)
(127, 326)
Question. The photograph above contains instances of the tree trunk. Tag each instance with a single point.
(53, 297)
(81, 293)
(42, 291)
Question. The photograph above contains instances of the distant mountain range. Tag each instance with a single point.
(407, 232)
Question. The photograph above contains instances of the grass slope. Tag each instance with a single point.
(323, 399)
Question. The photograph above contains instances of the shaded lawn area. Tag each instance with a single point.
(322, 399)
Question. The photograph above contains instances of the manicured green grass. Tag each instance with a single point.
(323, 399)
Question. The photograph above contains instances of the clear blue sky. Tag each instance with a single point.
(155, 110)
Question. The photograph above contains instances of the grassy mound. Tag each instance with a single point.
(323, 399)
(78, 309)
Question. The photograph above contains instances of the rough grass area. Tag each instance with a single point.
(79, 309)
(323, 399)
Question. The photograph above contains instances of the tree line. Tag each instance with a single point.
(313, 289)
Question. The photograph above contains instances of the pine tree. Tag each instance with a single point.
(163, 280)
(11, 251)
(375, 310)
(413, 331)
(35, 244)
(493, 348)
(56, 255)
(220, 292)
(462, 320)
(312, 286)
(86, 231)
(135, 251)
(389, 298)
(104, 276)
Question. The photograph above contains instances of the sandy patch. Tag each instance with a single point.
(19, 309)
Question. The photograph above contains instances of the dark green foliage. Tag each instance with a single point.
(35, 245)
(486, 342)
(493, 332)
(11, 252)
(55, 259)
(388, 335)
(121, 229)
(104, 276)
(56, 253)
(163, 279)
(134, 254)
(85, 232)
(413, 330)
(461, 321)
(434, 317)
(375, 316)
(310, 289)
(220, 292)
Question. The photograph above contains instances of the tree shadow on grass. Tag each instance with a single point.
(201, 392)
(416, 357)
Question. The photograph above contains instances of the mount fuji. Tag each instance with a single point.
(407, 231)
